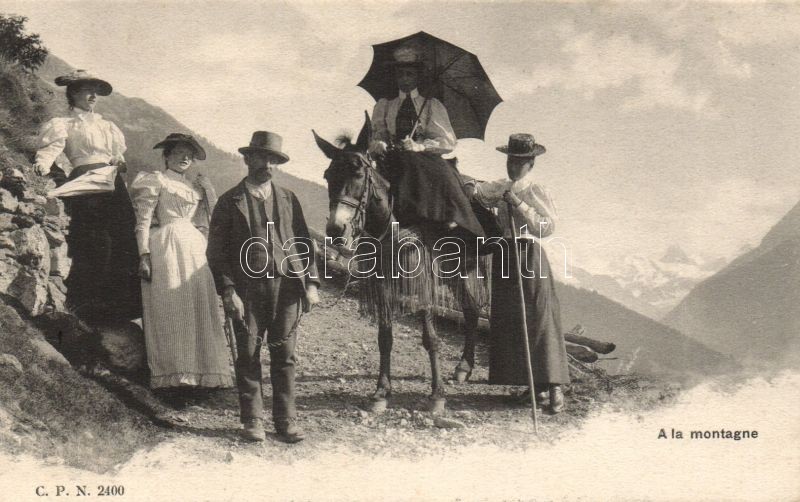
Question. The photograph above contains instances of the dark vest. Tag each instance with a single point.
(271, 255)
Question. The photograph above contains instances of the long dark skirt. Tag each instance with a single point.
(507, 364)
(428, 189)
(103, 283)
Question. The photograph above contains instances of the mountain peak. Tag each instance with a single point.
(788, 227)
(675, 254)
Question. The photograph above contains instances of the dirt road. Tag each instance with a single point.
(337, 368)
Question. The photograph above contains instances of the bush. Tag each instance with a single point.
(17, 46)
(25, 103)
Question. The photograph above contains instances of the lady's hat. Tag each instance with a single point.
(522, 145)
(265, 141)
(81, 76)
(407, 56)
(176, 137)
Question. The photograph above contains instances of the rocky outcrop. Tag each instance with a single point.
(123, 346)
(33, 251)
(10, 367)
(34, 262)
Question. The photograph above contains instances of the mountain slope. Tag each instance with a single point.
(610, 287)
(752, 307)
(643, 345)
(145, 125)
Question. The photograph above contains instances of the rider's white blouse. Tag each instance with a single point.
(434, 125)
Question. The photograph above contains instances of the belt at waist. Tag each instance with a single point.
(84, 168)
(91, 159)
(172, 221)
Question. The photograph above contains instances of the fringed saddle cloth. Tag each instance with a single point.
(410, 271)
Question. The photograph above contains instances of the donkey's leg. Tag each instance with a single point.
(385, 340)
(431, 342)
(464, 368)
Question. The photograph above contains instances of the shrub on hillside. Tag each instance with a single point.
(25, 105)
(19, 47)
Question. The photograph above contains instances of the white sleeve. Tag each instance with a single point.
(52, 140)
(539, 211)
(489, 193)
(118, 146)
(380, 130)
(145, 189)
(205, 207)
(438, 132)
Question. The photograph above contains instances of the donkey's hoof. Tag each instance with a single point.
(436, 405)
(378, 406)
(460, 375)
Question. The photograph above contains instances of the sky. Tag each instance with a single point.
(667, 123)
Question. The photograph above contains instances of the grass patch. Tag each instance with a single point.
(60, 413)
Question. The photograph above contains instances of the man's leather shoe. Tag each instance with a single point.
(253, 430)
(556, 399)
(289, 431)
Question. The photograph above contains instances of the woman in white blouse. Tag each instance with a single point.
(183, 331)
(102, 285)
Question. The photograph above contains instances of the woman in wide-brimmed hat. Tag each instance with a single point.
(102, 284)
(182, 327)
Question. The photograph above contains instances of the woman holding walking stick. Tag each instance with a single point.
(522, 281)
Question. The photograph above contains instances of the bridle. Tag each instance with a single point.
(370, 188)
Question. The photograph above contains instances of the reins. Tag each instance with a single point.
(359, 219)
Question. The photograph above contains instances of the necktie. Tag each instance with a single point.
(406, 117)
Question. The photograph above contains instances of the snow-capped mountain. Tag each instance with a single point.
(649, 286)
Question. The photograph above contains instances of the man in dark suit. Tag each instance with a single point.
(264, 267)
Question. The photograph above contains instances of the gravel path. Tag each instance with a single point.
(337, 368)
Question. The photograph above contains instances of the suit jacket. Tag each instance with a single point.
(230, 229)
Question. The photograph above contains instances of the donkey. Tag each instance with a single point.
(361, 207)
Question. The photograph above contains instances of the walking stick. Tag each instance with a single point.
(230, 334)
(522, 309)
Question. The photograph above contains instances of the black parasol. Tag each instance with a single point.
(452, 75)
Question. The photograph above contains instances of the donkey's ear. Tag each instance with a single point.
(365, 136)
(328, 149)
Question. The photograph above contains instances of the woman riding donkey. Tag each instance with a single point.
(409, 134)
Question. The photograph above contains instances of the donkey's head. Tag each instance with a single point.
(348, 177)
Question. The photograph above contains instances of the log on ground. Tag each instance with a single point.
(581, 353)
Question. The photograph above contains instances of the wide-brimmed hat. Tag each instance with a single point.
(177, 137)
(265, 141)
(407, 56)
(521, 145)
(81, 76)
